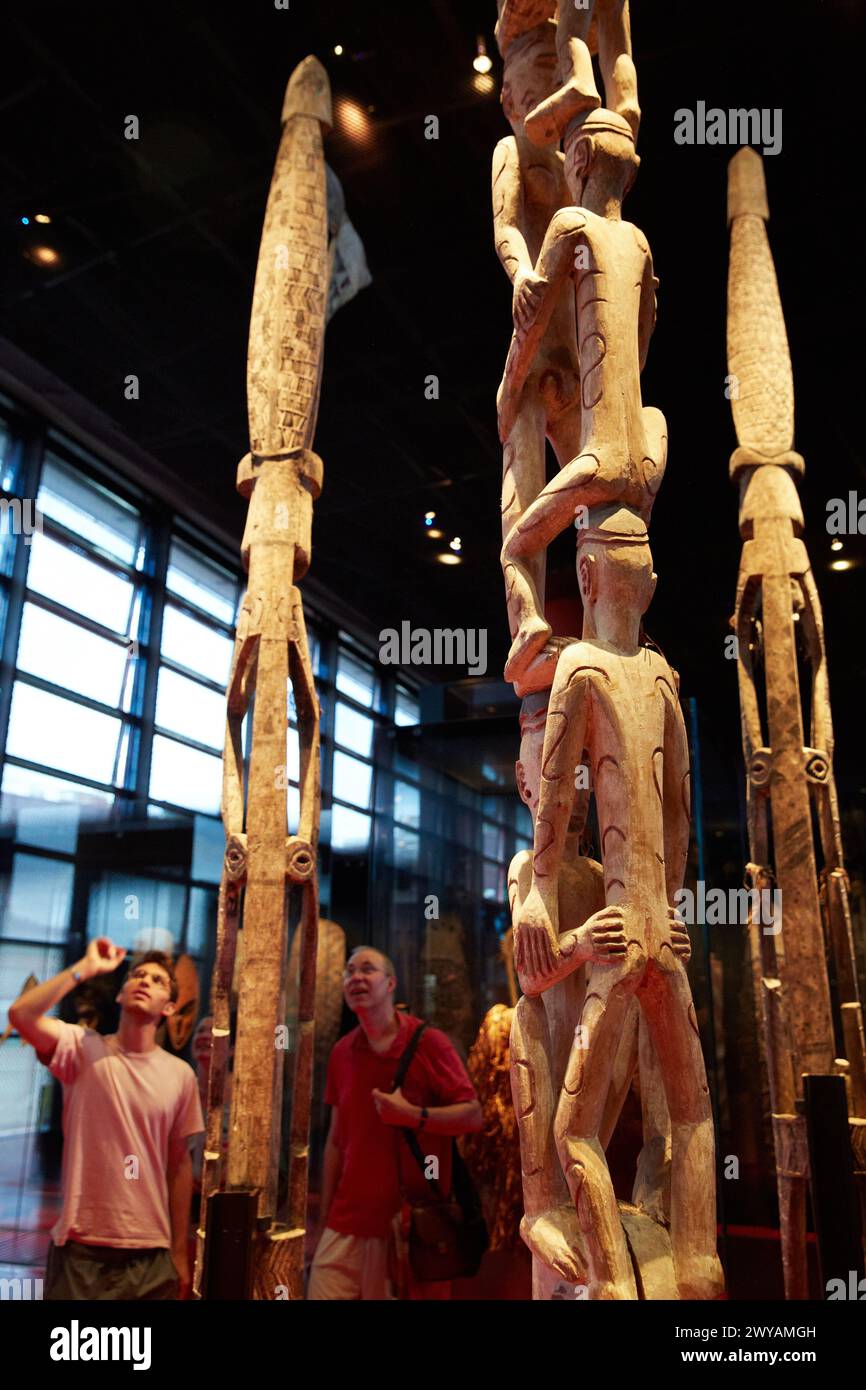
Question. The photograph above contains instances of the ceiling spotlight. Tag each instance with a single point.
(434, 533)
(42, 217)
(482, 61)
(483, 83)
(456, 544)
(446, 559)
(44, 255)
(429, 518)
(836, 544)
(841, 564)
(338, 50)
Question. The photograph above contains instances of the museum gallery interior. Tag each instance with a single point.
(433, 800)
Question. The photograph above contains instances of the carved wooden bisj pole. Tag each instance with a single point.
(280, 477)
(599, 951)
(786, 777)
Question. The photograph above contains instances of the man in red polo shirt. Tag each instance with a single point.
(368, 1166)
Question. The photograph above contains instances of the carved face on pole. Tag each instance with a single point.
(531, 73)
(600, 149)
(533, 714)
(615, 566)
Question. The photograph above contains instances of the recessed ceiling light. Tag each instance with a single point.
(434, 533)
(44, 255)
(456, 544)
(482, 62)
(42, 217)
(338, 49)
(836, 544)
(429, 518)
(448, 559)
(841, 564)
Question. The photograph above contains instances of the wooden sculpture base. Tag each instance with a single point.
(649, 1246)
(279, 1267)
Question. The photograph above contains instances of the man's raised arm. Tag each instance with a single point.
(29, 1013)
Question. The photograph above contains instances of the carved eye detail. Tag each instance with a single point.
(760, 767)
(817, 768)
(235, 859)
(300, 860)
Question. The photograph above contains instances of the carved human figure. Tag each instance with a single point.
(618, 700)
(545, 1027)
(528, 188)
(604, 264)
(548, 120)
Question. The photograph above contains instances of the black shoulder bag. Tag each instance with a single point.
(447, 1235)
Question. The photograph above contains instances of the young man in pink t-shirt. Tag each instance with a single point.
(129, 1110)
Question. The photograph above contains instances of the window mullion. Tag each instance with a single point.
(28, 482)
(158, 542)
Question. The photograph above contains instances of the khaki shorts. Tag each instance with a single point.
(105, 1272)
(349, 1267)
(361, 1267)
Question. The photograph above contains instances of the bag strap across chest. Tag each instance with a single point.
(406, 1057)
(409, 1134)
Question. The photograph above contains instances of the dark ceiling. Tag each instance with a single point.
(158, 239)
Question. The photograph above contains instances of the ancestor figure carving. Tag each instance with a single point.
(599, 952)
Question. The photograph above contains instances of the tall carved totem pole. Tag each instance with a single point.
(280, 477)
(599, 952)
(786, 778)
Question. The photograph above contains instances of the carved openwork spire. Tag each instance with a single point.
(789, 772)
(280, 477)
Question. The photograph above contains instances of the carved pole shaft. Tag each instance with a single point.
(307, 708)
(303, 1082)
(231, 882)
(227, 925)
(257, 1059)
